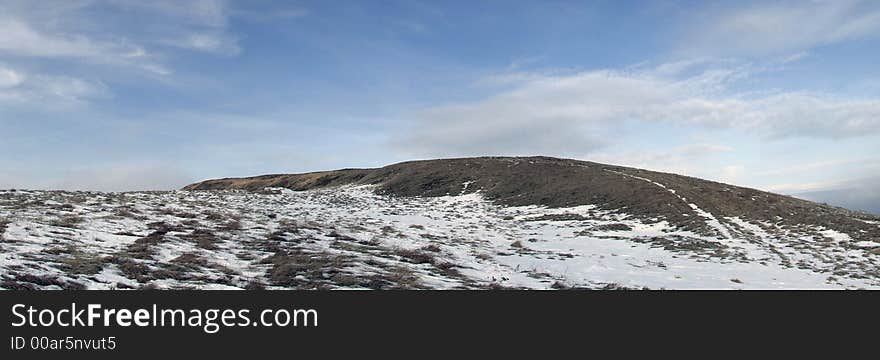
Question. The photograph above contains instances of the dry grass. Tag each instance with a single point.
(558, 182)
(204, 239)
(29, 282)
(142, 248)
(67, 221)
(191, 260)
(300, 269)
(255, 285)
(79, 262)
(415, 256)
(131, 268)
(431, 248)
(4, 223)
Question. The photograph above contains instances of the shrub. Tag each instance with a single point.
(414, 256)
(431, 248)
(68, 221)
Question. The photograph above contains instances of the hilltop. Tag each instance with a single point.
(689, 203)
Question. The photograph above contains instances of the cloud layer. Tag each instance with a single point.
(580, 112)
(99, 33)
(778, 27)
(18, 88)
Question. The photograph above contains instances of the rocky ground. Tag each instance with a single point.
(351, 237)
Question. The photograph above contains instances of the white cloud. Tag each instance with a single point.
(576, 113)
(865, 162)
(731, 174)
(768, 28)
(208, 13)
(56, 53)
(17, 88)
(199, 25)
(207, 42)
(9, 78)
(71, 31)
(275, 12)
(794, 188)
(19, 38)
(683, 159)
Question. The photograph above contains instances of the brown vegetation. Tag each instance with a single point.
(557, 182)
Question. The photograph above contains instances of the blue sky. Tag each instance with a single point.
(129, 95)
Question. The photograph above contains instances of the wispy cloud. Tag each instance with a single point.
(790, 170)
(677, 159)
(18, 88)
(59, 53)
(207, 13)
(207, 42)
(689, 158)
(767, 28)
(10, 78)
(580, 112)
(77, 30)
(19, 38)
(199, 25)
(289, 11)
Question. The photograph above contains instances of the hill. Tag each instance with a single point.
(687, 202)
(478, 223)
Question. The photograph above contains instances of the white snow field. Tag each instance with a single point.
(350, 238)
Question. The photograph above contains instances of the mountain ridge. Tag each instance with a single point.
(687, 202)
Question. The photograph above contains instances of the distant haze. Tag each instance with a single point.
(862, 199)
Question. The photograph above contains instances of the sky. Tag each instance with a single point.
(118, 95)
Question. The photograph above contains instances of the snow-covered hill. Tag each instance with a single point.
(350, 237)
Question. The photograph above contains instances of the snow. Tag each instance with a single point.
(487, 245)
(711, 220)
(867, 244)
(835, 235)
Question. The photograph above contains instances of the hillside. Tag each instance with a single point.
(481, 223)
(689, 203)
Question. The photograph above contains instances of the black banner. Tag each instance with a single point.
(334, 323)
